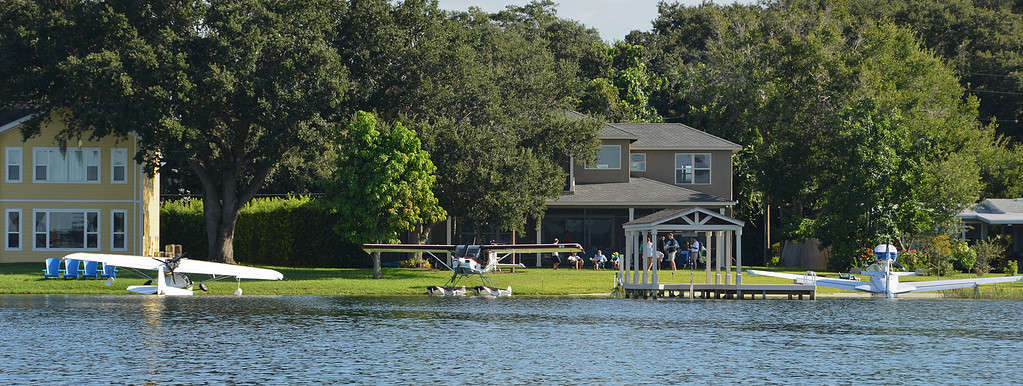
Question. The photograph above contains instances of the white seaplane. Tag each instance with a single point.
(466, 262)
(885, 281)
(170, 272)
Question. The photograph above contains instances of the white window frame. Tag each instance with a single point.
(693, 169)
(8, 231)
(123, 232)
(85, 229)
(21, 164)
(115, 153)
(643, 169)
(591, 166)
(49, 174)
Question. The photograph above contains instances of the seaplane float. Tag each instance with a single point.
(465, 263)
(171, 278)
(884, 281)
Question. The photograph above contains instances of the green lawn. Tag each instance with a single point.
(26, 278)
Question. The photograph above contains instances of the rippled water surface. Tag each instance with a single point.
(145, 339)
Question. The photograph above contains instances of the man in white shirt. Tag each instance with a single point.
(598, 259)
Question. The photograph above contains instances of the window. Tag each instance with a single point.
(66, 229)
(117, 234)
(118, 165)
(13, 164)
(608, 157)
(692, 168)
(637, 162)
(74, 165)
(14, 229)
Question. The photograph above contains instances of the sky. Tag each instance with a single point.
(613, 18)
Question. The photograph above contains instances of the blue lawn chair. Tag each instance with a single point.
(91, 270)
(71, 268)
(108, 271)
(52, 267)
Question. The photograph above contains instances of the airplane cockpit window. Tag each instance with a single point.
(876, 267)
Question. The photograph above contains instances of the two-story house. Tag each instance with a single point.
(640, 169)
(90, 196)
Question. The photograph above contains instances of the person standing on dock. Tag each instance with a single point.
(555, 259)
(671, 247)
(694, 251)
(650, 251)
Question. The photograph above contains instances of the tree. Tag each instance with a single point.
(383, 182)
(843, 122)
(620, 92)
(233, 86)
(484, 99)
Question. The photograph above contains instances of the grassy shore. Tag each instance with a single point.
(26, 278)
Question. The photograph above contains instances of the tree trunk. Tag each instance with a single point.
(220, 223)
(376, 266)
(767, 233)
(222, 202)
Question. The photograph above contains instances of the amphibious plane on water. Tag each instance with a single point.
(466, 261)
(170, 272)
(883, 280)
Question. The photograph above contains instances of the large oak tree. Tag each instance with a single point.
(231, 86)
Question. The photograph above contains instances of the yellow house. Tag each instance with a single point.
(91, 197)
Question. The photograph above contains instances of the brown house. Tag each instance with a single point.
(640, 168)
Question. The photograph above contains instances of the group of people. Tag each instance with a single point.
(577, 261)
(672, 252)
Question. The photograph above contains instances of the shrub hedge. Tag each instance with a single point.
(294, 232)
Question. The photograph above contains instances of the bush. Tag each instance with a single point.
(913, 259)
(863, 257)
(963, 257)
(1012, 267)
(988, 253)
(414, 263)
(294, 231)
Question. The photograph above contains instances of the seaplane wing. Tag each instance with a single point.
(532, 248)
(496, 248)
(937, 285)
(238, 271)
(183, 265)
(851, 285)
(437, 248)
(127, 261)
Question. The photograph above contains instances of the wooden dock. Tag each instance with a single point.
(718, 291)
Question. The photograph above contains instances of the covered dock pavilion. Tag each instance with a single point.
(722, 237)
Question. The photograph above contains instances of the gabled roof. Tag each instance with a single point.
(636, 192)
(694, 217)
(996, 211)
(673, 136)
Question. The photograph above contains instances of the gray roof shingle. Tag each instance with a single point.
(673, 136)
(1004, 205)
(637, 191)
(608, 131)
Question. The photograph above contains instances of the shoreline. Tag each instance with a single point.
(26, 279)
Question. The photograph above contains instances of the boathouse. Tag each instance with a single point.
(722, 238)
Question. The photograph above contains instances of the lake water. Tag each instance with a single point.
(424, 340)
